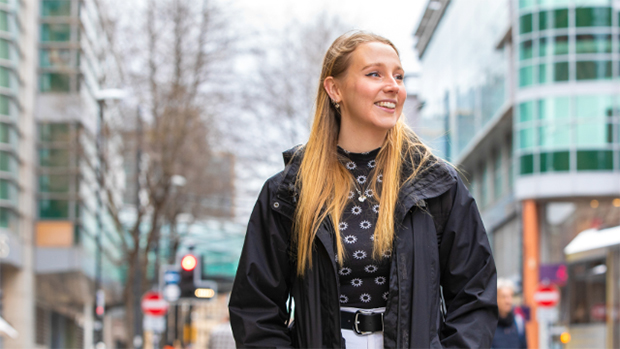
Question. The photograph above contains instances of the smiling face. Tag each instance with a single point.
(371, 92)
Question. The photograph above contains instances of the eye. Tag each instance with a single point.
(374, 74)
(399, 77)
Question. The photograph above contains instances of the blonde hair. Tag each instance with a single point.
(324, 183)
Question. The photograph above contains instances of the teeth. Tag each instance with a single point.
(386, 104)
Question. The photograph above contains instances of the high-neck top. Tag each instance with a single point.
(363, 280)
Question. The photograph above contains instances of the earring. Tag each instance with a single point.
(336, 104)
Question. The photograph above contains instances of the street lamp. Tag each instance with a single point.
(102, 97)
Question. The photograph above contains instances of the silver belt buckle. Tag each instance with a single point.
(356, 322)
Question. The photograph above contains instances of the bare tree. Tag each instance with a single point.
(278, 101)
(175, 54)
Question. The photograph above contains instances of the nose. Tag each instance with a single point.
(392, 86)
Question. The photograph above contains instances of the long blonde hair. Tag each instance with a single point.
(324, 183)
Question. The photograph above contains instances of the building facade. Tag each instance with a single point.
(55, 58)
(529, 92)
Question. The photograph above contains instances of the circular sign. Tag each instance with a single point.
(547, 296)
(172, 292)
(153, 304)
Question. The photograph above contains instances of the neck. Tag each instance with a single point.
(358, 139)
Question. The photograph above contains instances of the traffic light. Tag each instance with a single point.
(191, 281)
(188, 268)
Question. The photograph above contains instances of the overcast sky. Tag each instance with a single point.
(394, 19)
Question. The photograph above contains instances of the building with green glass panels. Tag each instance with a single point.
(529, 95)
(54, 58)
(74, 63)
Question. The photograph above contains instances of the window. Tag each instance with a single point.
(53, 157)
(560, 46)
(554, 161)
(5, 133)
(585, 278)
(560, 71)
(525, 24)
(595, 160)
(5, 49)
(5, 77)
(542, 47)
(593, 44)
(526, 111)
(542, 73)
(6, 218)
(5, 191)
(594, 70)
(527, 164)
(55, 82)
(5, 105)
(51, 8)
(554, 108)
(4, 21)
(560, 18)
(6, 161)
(526, 3)
(555, 135)
(594, 133)
(593, 17)
(526, 76)
(55, 58)
(526, 138)
(542, 20)
(54, 132)
(55, 32)
(527, 50)
(53, 208)
(54, 183)
(594, 106)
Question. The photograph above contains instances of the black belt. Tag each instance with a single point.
(362, 322)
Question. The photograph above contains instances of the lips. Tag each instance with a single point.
(385, 104)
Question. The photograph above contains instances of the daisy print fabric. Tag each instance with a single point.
(364, 281)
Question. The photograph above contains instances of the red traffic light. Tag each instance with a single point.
(188, 263)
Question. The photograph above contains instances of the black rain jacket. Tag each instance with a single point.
(459, 260)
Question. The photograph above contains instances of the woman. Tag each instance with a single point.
(346, 229)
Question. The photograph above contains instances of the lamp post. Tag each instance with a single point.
(102, 96)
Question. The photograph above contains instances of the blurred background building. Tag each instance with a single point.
(55, 59)
(526, 94)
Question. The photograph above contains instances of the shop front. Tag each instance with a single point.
(593, 288)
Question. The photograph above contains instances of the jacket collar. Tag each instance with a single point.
(434, 180)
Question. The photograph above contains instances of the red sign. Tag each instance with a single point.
(547, 296)
(154, 304)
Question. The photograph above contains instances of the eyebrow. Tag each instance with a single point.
(380, 65)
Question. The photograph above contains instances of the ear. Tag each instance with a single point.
(331, 87)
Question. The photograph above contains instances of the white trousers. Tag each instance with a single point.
(358, 341)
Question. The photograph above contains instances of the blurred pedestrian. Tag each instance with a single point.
(510, 331)
(363, 226)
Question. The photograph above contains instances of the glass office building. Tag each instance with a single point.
(569, 100)
(529, 95)
(74, 63)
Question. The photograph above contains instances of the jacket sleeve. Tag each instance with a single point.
(468, 276)
(258, 312)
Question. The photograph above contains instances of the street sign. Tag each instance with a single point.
(172, 277)
(156, 324)
(172, 292)
(153, 304)
(547, 296)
